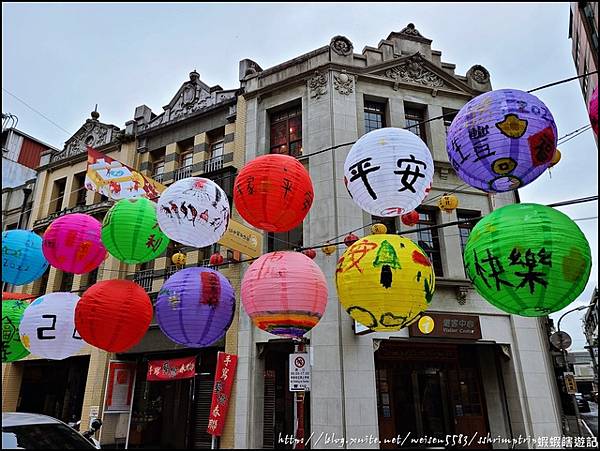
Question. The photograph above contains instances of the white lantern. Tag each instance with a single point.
(48, 326)
(193, 211)
(388, 171)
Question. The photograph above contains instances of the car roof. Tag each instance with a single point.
(22, 419)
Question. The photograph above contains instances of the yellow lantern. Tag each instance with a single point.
(448, 203)
(179, 259)
(555, 158)
(329, 249)
(378, 228)
(385, 281)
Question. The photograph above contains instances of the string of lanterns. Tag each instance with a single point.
(525, 259)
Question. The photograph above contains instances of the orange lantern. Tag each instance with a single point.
(555, 158)
(273, 192)
(329, 249)
(179, 259)
(448, 203)
(350, 239)
(378, 229)
(310, 253)
(216, 259)
(410, 219)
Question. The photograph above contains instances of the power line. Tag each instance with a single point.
(562, 81)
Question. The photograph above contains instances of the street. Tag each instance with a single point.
(591, 418)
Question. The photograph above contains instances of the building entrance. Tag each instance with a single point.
(428, 392)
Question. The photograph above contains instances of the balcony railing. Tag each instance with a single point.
(158, 177)
(87, 209)
(213, 164)
(183, 173)
(144, 279)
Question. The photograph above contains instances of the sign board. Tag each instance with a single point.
(226, 365)
(561, 340)
(570, 383)
(119, 388)
(170, 369)
(243, 239)
(445, 325)
(299, 372)
(360, 329)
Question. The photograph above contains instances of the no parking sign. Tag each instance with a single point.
(299, 372)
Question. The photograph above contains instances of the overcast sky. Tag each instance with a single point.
(62, 59)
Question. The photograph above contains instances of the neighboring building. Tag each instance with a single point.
(384, 384)
(583, 30)
(581, 362)
(590, 329)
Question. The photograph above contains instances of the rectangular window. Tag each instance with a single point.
(429, 241)
(66, 282)
(285, 240)
(185, 159)
(79, 189)
(585, 82)
(158, 170)
(449, 116)
(286, 131)
(414, 122)
(576, 55)
(216, 149)
(374, 115)
(466, 227)
(92, 277)
(390, 223)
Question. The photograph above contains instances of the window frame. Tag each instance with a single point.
(377, 109)
(416, 115)
(428, 218)
(284, 117)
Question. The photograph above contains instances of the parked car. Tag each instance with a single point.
(35, 431)
(582, 403)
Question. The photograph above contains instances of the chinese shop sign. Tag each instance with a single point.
(226, 365)
(167, 370)
(441, 325)
(121, 376)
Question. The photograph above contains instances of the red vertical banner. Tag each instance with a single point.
(226, 365)
(119, 390)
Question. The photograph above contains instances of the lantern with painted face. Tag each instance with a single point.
(528, 259)
(12, 314)
(23, 260)
(385, 281)
(388, 171)
(194, 211)
(48, 326)
(502, 140)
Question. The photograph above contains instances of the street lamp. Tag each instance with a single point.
(566, 363)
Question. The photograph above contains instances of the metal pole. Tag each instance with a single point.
(213, 444)
(299, 408)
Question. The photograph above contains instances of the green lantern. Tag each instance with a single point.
(130, 231)
(528, 259)
(12, 348)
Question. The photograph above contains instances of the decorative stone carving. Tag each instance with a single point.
(410, 30)
(479, 73)
(343, 83)
(341, 45)
(413, 71)
(317, 85)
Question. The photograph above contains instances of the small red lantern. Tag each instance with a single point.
(113, 315)
(350, 239)
(273, 192)
(216, 259)
(310, 253)
(410, 219)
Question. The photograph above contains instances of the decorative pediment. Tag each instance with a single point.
(193, 96)
(93, 133)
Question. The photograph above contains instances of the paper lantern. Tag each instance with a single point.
(448, 203)
(528, 259)
(12, 313)
(329, 249)
(593, 110)
(556, 158)
(378, 228)
(194, 211)
(410, 219)
(388, 171)
(72, 243)
(113, 315)
(195, 307)
(48, 326)
(285, 293)
(23, 260)
(273, 192)
(502, 140)
(130, 231)
(179, 259)
(385, 282)
(216, 259)
(350, 239)
(310, 253)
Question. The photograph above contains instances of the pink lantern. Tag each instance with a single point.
(72, 243)
(285, 293)
(593, 110)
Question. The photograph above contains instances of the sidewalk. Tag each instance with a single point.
(570, 428)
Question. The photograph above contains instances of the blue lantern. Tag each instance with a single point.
(22, 258)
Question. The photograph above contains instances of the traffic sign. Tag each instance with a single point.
(299, 372)
(570, 383)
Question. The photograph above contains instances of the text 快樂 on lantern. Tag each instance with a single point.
(502, 140)
(284, 293)
(195, 307)
(385, 282)
(528, 259)
(273, 192)
(388, 171)
(23, 259)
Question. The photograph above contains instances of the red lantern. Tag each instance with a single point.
(410, 219)
(113, 315)
(350, 239)
(310, 253)
(273, 192)
(216, 259)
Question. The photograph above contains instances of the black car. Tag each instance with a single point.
(582, 403)
(34, 431)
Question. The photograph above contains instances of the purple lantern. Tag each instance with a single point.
(502, 140)
(195, 307)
